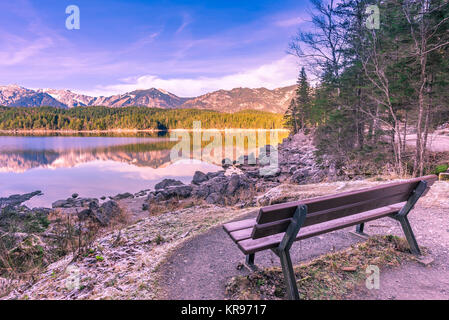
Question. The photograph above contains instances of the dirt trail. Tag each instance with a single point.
(435, 143)
(201, 267)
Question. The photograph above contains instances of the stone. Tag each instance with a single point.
(214, 198)
(121, 196)
(167, 183)
(205, 189)
(199, 177)
(84, 214)
(75, 195)
(17, 199)
(59, 204)
(233, 184)
(178, 191)
(74, 203)
(211, 175)
(300, 175)
(106, 212)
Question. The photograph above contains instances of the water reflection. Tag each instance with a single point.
(89, 166)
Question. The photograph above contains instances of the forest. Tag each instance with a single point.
(380, 71)
(140, 118)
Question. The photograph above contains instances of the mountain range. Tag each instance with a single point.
(276, 100)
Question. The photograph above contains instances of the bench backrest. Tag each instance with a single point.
(276, 218)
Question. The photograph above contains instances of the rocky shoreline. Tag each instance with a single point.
(237, 183)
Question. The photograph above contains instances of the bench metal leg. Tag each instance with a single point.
(250, 259)
(289, 275)
(402, 216)
(359, 228)
(283, 251)
(414, 248)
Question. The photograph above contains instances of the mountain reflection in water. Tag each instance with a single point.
(90, 166)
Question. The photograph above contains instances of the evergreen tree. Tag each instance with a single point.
(303, 99)
(291, 117)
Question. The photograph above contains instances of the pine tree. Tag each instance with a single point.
(303, 99)
(291, 117)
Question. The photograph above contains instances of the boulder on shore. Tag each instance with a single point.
(17, 199)
(121, 196)
(167, 183)
(199, 177)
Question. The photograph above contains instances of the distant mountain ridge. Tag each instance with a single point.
(15, 96)
(237, 99)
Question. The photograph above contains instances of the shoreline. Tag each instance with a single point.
(39, 131)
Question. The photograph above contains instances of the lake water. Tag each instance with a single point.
(96, 166)
(90, 166)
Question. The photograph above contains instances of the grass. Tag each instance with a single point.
(441, 168)
(333, 276)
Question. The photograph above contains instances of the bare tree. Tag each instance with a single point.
(426, 35)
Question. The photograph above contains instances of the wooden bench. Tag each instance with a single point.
(278, 226)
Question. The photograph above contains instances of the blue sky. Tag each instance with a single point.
(185, 47)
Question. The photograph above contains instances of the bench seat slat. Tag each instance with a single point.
(241, 234)
(249, 245)
(238, 225)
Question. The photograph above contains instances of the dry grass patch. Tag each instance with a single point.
(329, 277)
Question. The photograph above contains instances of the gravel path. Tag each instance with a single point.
(435, 143)
(201, 267)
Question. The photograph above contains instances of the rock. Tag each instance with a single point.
(145, 207)
(178, 191)
(167, 183)
(141, 193)
(59, 204)
(17, 199)
(106, 212)
(300, 175)
(75, 195)
(121, 196)
(254, 173)
(159, 197)
(84, 214)
(214, 198)
(199, 177)
(74, 203)
(233, 184)
(214, 185)
(211, 175)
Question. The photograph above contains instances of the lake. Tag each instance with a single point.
(92, 166)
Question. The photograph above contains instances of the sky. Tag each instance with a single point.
(185, 47)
